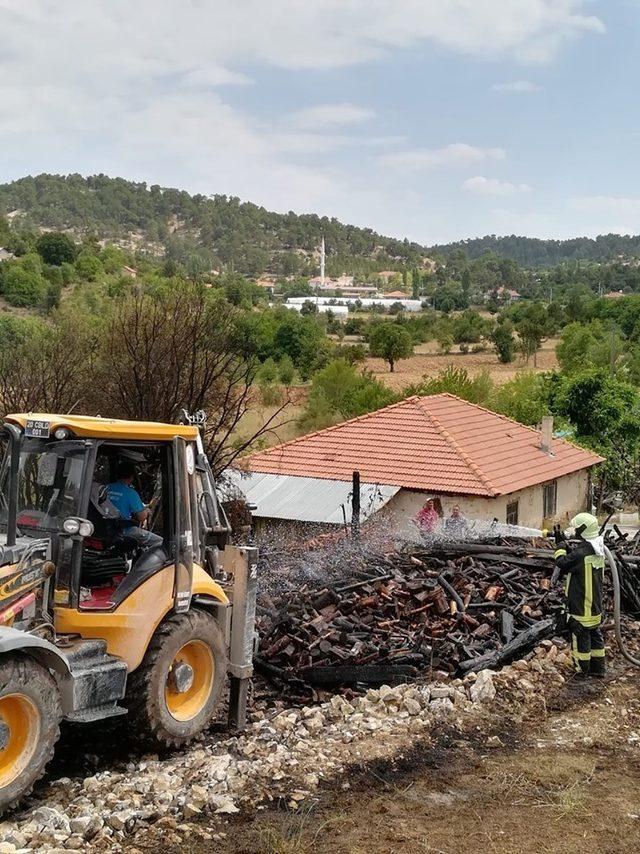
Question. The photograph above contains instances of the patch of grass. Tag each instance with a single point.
(275, 841)
(564, 799)
(297, 834)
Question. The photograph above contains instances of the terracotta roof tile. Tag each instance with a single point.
(438, 443)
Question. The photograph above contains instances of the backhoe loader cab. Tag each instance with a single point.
(102, 615)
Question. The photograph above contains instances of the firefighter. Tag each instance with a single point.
(583, 566)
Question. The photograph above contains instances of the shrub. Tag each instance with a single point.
(339, 392)
(286, 370)
(23, 287)
(88, 266)
(56, 248)
(477, 389)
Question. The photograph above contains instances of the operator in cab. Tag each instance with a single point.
(583, 567)
(131, 507)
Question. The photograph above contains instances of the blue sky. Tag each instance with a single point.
(430, 119)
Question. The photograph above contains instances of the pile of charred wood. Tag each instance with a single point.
(626, 550)
(453, 607)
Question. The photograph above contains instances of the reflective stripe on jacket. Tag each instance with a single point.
(583, 586)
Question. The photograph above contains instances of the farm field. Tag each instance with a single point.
(427, 361)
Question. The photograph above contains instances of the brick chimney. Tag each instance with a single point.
(546, 434)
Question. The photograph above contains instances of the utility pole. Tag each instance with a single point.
(355, 506)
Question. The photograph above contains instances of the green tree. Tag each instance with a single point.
(525, 398)
(56, 248)
(444, 338)
(591, 345)
(606, 414)
(575, 343)
(465, 280)
(113, 259)
(453, 380)
(598, 405)
(339, 391)
(268, 372)
(88, 266)
(68, 272)
(469, 327)
(24, 287)
(531, 337)
(286, 370)
(45, 367)
(390, 342)
(504, 342)
(353, 353)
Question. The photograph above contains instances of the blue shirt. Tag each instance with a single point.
(125, 499)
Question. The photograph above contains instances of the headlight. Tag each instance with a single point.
(61, 433)
(86, 528)
(73, 525)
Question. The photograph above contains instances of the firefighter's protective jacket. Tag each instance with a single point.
(584, 569)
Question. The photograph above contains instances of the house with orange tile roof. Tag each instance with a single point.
(435, 446)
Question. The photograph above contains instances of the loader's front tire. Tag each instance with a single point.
(30, 717)
(175, 692)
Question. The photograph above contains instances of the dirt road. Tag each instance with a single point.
(568, 781)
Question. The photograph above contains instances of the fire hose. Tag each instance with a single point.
(617, 608)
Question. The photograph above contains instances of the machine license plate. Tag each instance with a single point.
(37, 429)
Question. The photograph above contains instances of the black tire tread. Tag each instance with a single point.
(144, 724)
(30, 670)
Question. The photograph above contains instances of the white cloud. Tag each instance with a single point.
(457, 154)
(493, 187)
(623, 206)
(211, 76)
(516, 86)
(330, 115)
(136, 89)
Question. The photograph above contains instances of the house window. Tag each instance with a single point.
(512, 513)
(550, 500)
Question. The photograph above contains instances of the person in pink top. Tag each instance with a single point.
(428, 517)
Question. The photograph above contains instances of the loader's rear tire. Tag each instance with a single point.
(174, 693)
(30, 717)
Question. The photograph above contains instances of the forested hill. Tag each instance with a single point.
(533, 252)
(204, 232)
(217, 229)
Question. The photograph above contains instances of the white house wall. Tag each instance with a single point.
(572, 496)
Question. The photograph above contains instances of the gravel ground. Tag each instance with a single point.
(142, 801)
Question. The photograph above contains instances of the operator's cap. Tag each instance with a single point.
(585, 525)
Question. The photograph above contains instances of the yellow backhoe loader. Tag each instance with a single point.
(96, 622)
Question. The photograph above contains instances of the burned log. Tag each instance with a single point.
(509, 652)
(436, 608)
(369, 674)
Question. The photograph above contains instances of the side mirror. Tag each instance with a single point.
(77, 526)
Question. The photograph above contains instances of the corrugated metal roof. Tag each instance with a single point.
(309, 499)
